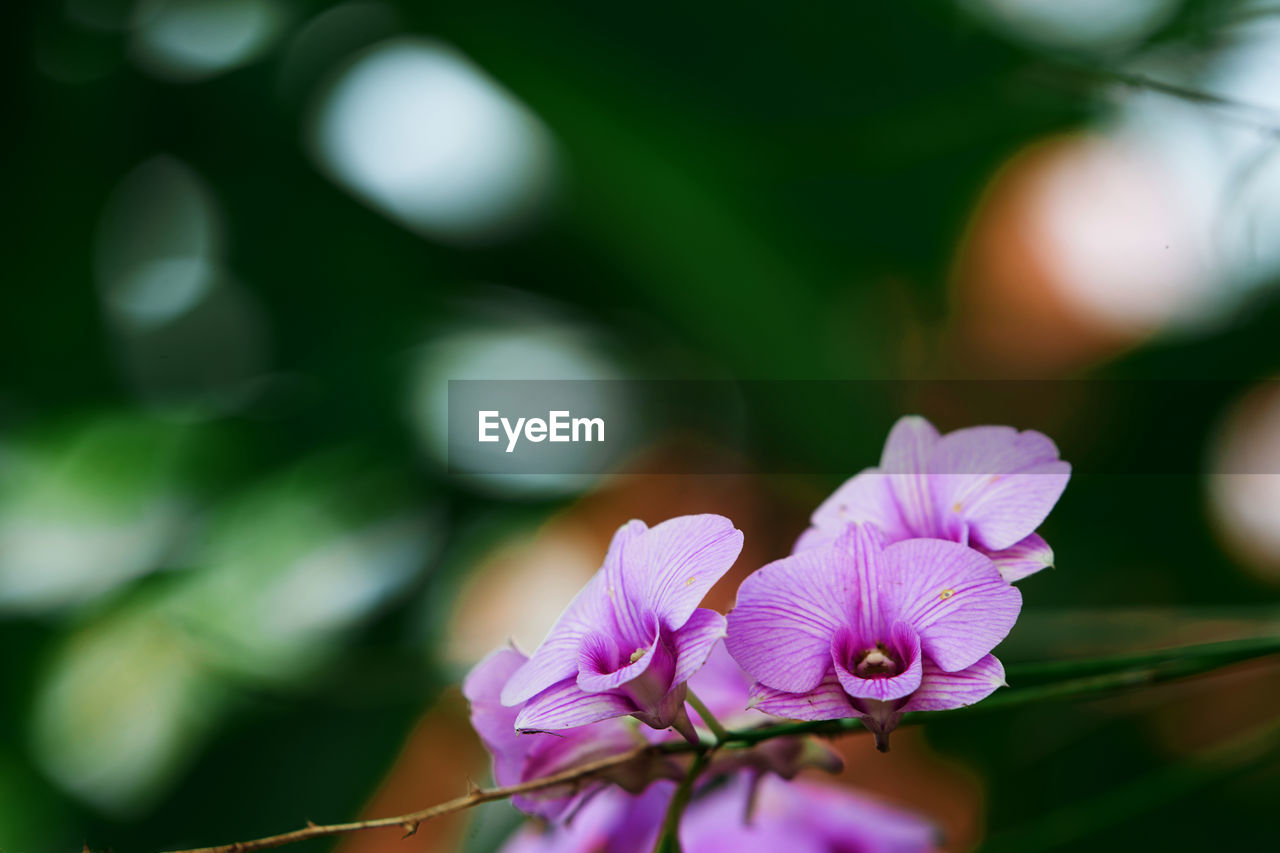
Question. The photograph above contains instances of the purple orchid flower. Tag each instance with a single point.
(988, 487)
(858, 628)
(743, 816)
(801, 817)
(521, 757)
(612, 822)
(634, 635)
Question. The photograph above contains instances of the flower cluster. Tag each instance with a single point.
(987, 487)
(630, 640)
(803, 817)
(858, 628)
(892, 602)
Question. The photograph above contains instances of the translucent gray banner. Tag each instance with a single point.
(578, 427)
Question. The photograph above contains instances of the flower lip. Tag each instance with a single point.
(649, 687)
(604, 664)
(878, 656)
(884, 666)
(877, 662)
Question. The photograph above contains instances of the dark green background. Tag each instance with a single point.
(740, 180)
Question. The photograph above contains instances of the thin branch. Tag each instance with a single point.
(1087, 680)
(409, 822)
(1227, 651)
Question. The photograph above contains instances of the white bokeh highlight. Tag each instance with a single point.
(184, 41)
(158, 244)
(120, 709)
(1084, 25)
(420, 133)
(85, 513)
(1244, 481)
(188, 336)
(1116, 231)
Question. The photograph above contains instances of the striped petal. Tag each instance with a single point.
(565, 705)
(954, 598)
(787, 613)
(941, 690)
(826, 701)
(1023, 558)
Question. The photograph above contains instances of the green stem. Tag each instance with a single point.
(669, 840)
(1112, 675)
(708, 718)
(1230, 651)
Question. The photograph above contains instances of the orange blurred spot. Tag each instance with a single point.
(1244, 488)
(441, 754)
(1077, 250)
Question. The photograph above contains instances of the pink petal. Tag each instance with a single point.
(565, 705)
(518, 757)
(551, 752)
(853, 821)
(716, 823)
(953, 596)
(624, 591)
(557, 657)
(941, 690)
(816, 537)
(1023, 558)
(694, 642)
(484, 682)
(998, 481)
(826, 701)
(859, 549)
(909, 445)
(905, 461)
(493, 721)
(673, 565)
(787, 612)
(865, 497)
